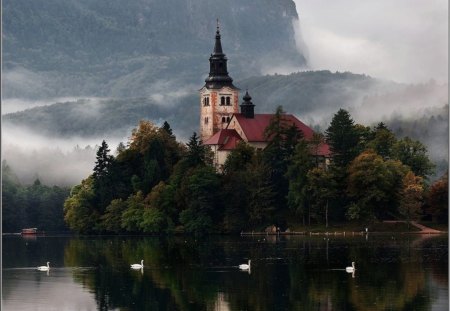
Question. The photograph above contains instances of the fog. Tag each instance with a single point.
(402, 40)
(405, 41)
(55, 161)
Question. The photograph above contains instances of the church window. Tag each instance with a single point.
(228, 119)
(222, 100)
(228, 101)
(223, 120)
(206, 120)
(205, 101)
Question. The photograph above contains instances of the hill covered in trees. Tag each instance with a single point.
(83, 48)
(156, 184)
(418, 111)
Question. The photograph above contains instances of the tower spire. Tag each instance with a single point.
(218, 43)
(218, 74)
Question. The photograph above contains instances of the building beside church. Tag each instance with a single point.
(223, 126)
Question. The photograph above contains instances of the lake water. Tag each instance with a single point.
(401, 272)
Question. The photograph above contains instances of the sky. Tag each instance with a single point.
(399, 40)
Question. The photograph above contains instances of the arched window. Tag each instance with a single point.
(205, 101)
(223, 120)
(228, 101)
(206, 120)
(222, 100)
(228, 119)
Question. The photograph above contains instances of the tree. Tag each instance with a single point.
(438, 199)
(239, 158)
(79, 212)
(112, 218)
(370, 185)
(197, 153)
(321, 190)
(383, 141)
(342, 138)
(132, 216)
(154, 218)
(414, 154)
(297, 177)
(202, 197)
(261, 200)
(282, 138)
(166, 127)
(102, 183)
(411, 197)
(365, 135)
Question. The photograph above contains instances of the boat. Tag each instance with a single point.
(29, 231)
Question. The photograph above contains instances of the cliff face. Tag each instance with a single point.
(117, 48)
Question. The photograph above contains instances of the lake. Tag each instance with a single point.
(393, 272)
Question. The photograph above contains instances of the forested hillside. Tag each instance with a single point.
(418, 111)
(118, 48)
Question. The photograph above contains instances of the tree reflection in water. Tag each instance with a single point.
(288, 273)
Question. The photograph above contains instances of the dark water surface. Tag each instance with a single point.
(401, 272)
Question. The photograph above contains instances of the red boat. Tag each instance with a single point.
(29, 231)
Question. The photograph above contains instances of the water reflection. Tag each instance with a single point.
(287, 273)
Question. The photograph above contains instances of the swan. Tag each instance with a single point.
(351, 269)
(138, 266)
(44, 268)
(245, 266)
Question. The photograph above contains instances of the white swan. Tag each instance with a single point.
(138, 266)
(44, 268)
(351, 269)
(245, 266)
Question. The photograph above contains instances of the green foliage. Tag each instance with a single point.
(200, 213)
(261, 200)
(342, 138)
(411, 197)
(102, 181)
(239, 158)
(282, 138)
(297, 177)
(79, 209)
(157, 185)
(132, 216)
(320, 189)
(112, 218)
(372, 185)
(197, 154)
(38, 206)
(414, 154)
(438, 199)
(383, 141)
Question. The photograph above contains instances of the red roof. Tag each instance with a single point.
(324, 150)
(254, 128)
(228, 139)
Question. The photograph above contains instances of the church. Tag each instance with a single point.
(223, 126)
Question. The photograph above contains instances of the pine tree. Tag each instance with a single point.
(102, 183)
(342, 138)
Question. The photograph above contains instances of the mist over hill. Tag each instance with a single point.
(76, 72)
(83, 48)
(418, 111)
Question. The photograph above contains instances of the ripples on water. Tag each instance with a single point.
(287, 273)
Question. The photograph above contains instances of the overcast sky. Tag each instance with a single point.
(400, 40)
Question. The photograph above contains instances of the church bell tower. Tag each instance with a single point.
(218, 97)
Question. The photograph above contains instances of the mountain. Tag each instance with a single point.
(418, 111)
(314, 96)
(116, 48)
